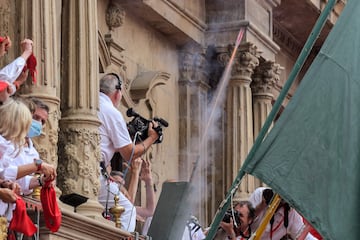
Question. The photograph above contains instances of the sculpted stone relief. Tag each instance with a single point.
(76, 148)
(115, 15)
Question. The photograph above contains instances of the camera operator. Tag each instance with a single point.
(236, 223)
(114, 137)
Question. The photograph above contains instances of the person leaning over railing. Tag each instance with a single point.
(15, 123)
(12, 75)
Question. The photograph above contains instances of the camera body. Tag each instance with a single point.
(138, 126)
(229, 214)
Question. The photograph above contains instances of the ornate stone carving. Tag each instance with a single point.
(115, 15)
(246, 59)
(193, 64)
(76, 149)
(265, 77)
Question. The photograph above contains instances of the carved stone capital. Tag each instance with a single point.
(77, 170)
(115, 15)
(265, 77)
(245, 60)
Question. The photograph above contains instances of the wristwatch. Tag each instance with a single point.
(38, 163)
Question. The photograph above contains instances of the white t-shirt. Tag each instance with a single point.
(278, 229)
(113, 130)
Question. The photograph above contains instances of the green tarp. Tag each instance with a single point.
(311, 157)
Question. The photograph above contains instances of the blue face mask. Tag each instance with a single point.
(35, 129)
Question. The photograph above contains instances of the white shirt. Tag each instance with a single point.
(12, 71)
(113, 135)
(26, 156)
(278, 230)
(6, 147)
(7, 170)
(128, 217)
(113, 130)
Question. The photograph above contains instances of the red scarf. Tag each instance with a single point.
(31, 65)
(50, 207)
(21, 222)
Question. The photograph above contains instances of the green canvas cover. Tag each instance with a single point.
(311, 157)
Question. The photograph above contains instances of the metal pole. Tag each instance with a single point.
(294, 72)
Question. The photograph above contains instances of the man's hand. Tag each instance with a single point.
(152, 132)
(27, 48)
(7, 195)
(228, 228)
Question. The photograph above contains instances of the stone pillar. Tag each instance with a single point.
(44, 30)
(79, 140)
(265, 78)
(239, 116)
(193, 87)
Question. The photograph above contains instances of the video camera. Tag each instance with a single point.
(138, 126)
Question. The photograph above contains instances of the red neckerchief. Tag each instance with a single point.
(21, 222)
(50, 207)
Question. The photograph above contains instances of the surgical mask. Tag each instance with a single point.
(35, 129)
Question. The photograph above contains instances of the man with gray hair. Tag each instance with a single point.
(115, 138)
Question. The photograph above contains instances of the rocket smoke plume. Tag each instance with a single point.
(217, 99)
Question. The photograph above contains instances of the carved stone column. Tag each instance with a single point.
(44, 30)
(79, 139)
(239, 116)
(193, 87)
(265, 78)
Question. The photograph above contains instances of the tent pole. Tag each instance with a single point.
(293, 74)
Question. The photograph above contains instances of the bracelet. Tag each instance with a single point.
(39, 181)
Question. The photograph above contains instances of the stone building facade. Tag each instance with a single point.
(172, 55)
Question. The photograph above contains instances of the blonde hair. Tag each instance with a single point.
(15, 121)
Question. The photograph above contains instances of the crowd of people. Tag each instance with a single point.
(21, 119)
(285, 224)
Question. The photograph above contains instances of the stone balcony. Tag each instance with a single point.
(75, 225)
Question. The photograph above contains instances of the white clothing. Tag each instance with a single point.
(128, 217)
(113, 130)
(196, 233)
(278, 230)
(114, 134)
(26, 156)
(6, 147)
(7, 170)
(13, 70)
(146, 226)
